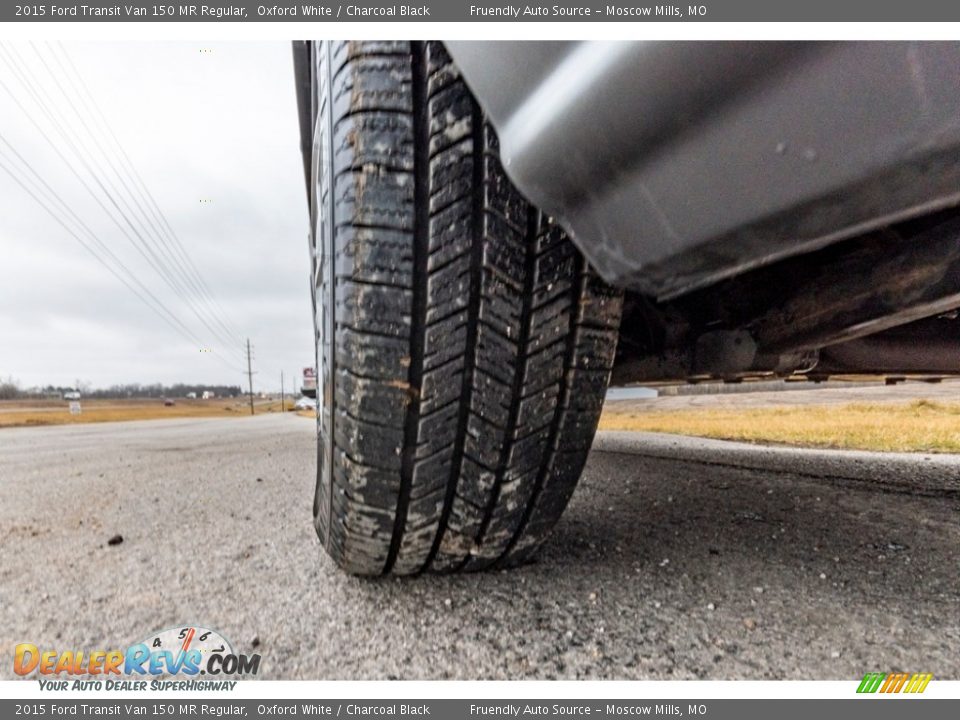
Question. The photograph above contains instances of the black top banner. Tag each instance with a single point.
(895, 11)
(202, 707)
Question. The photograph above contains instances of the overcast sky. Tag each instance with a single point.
(212, 130)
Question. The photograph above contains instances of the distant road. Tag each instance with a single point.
(837, 393)
(669, 564)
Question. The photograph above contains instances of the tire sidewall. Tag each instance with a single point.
(323, 288)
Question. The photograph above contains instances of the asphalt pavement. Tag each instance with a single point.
(676, 559)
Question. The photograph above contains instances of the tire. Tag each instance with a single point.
(463, 346)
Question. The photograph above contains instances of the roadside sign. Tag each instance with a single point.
(74, 407)
(309, 384)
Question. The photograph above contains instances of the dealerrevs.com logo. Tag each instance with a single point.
(172, 659)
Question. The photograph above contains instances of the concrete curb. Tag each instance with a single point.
(930, 473)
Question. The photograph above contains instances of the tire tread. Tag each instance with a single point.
(478, 342)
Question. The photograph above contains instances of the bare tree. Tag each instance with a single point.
(10, 389)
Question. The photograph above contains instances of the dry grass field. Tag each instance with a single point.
(920, 425)
(917, 426)
(15, 413)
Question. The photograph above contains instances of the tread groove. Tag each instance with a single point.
(473, 323)
(520, 374)
(548, 457)
(421, 254)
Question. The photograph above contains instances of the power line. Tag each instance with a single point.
(64, 208)
(175, 248)
(143, 293)
(143, 248)
(158, 264)
(158, 213)
(35, 190)
(150, 225)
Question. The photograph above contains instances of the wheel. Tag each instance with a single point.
(463, 346)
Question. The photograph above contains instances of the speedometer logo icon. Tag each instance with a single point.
(184, 639)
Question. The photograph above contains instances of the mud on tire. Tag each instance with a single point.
(463, 345)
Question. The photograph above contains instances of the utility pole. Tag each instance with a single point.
(250, 376)
(282, 408)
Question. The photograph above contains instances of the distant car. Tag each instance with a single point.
(73, 395)
(305, 403)
(191, 396)
(167, 402)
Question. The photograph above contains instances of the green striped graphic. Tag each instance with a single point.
(871, 682)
